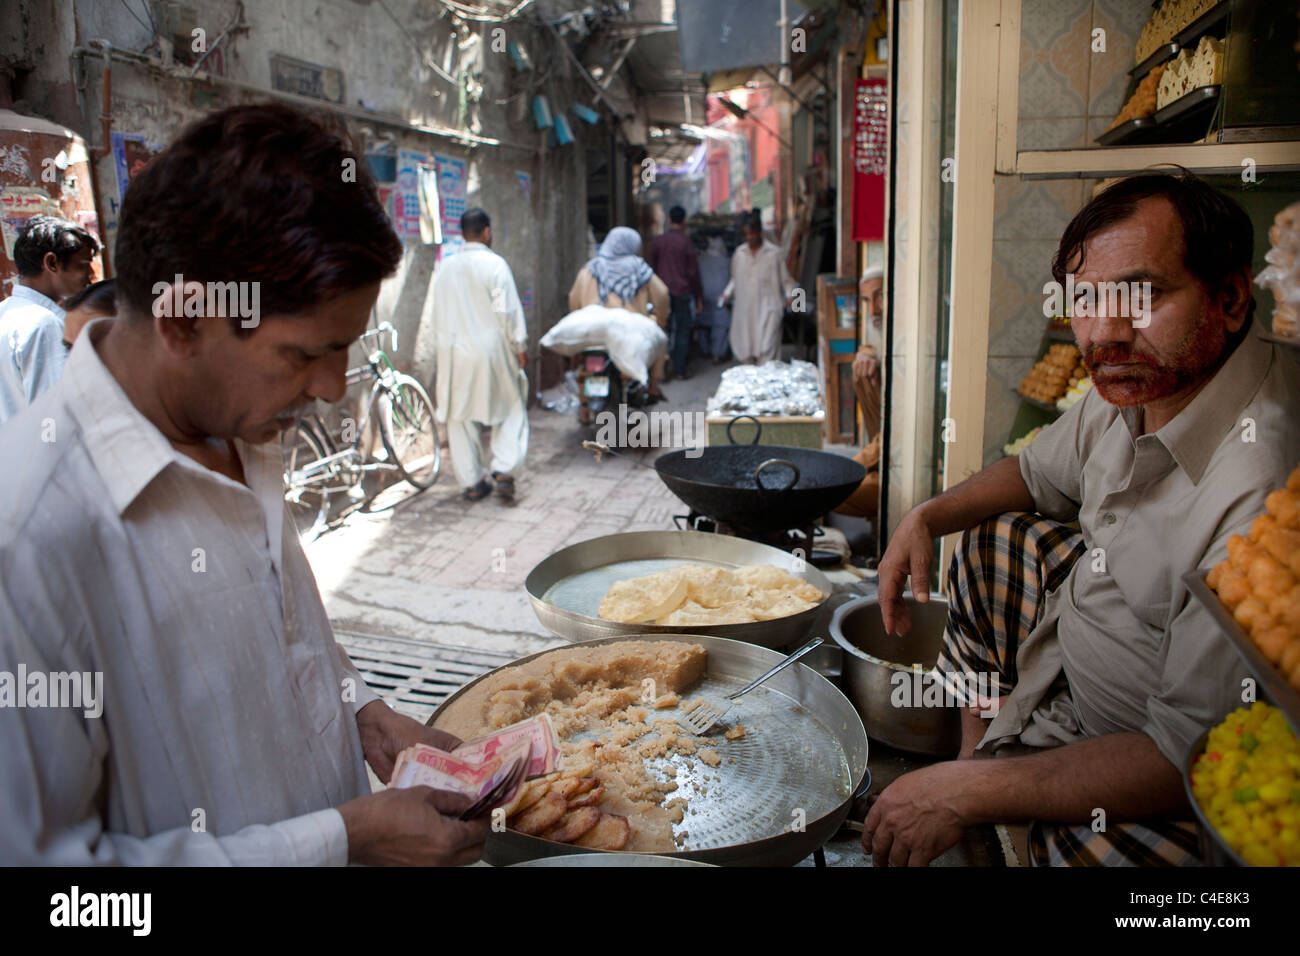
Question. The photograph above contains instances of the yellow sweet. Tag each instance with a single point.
(1247, 783)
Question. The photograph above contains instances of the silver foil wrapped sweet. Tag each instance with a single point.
(774, 388)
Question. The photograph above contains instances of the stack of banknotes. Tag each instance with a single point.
(488, 770)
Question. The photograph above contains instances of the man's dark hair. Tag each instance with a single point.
(473, 221)
(99, 296)
(752, 220)
(259, 193)
(1218, 239)
(45, 234)
(676, 214)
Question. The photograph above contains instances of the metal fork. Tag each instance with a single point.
(706, 713)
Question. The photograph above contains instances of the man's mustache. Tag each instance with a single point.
(1117, 355)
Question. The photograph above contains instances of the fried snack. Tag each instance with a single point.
(1143, 101)
(589, 799)
(736, 732)
(691, 614)
(713, 596)
(574, 824)
(641, 600)
(542, 815)
(1049, 379)
(611, 832)
(1259, 581)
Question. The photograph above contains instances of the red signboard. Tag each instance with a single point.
(870, 158)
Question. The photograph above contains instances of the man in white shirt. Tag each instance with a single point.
(179, 696)
(481, 347)
(54, 259)
(761, 286)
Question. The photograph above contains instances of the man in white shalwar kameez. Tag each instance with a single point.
(761, 286)
(481, 345)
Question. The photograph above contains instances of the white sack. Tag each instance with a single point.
(634, 342)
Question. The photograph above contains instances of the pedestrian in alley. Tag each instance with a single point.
(672, 257)
(714, 323)
(53, 257)
(760, 286)
(480, 348)
(618, 278)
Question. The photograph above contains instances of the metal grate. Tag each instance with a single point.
(414, 677)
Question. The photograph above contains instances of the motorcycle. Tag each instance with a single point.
(601, 386)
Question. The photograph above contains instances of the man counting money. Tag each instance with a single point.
(144, 544)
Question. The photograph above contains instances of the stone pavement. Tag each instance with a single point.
(440, 569)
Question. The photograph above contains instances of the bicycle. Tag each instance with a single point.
(318, 467)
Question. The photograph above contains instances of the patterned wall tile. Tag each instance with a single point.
(1066, 133)
(1033, 209)
(1042, 22)
(1046, 92)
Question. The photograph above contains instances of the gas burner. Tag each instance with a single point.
(790, 539)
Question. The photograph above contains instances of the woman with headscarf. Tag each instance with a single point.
(619, 278)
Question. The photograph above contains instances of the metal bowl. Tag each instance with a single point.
(873, 677)
(565, 589)
(1214, 849)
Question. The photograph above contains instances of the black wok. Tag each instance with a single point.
(760, 487)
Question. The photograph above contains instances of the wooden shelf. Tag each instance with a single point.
(1203, 158)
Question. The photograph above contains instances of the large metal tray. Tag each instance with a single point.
(1274, 685)
(805, 749)
(565, 589)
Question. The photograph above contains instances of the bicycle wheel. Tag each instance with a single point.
(308, 503)
(409, 432)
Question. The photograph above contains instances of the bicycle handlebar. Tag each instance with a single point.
(376, 332)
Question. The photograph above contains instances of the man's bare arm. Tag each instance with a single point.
(924, 812)
(1124, 774)
(995, 489)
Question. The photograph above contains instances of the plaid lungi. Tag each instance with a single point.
(1001, 572)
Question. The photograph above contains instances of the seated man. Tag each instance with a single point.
(865, 500)
(205, 714)
(1103, 668)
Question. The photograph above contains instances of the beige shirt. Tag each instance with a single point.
(226, 734)
(1136, 652)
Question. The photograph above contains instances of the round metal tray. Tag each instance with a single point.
(801, 762)
(566, 588)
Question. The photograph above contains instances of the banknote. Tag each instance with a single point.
(538, 730)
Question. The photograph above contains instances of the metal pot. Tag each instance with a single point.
(889, 694)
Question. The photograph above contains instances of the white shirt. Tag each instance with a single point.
(31, 348)
(223, 688)
(760, 282)
(479, 328)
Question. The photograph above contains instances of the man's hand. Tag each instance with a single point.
(386, 733)
(866, 366)
(910, 554)
(412, 827)
(523, 359)
(699, 303)
(919, 815)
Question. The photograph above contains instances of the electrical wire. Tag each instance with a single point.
(419, 54)
(148, 26)
(481, 16)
